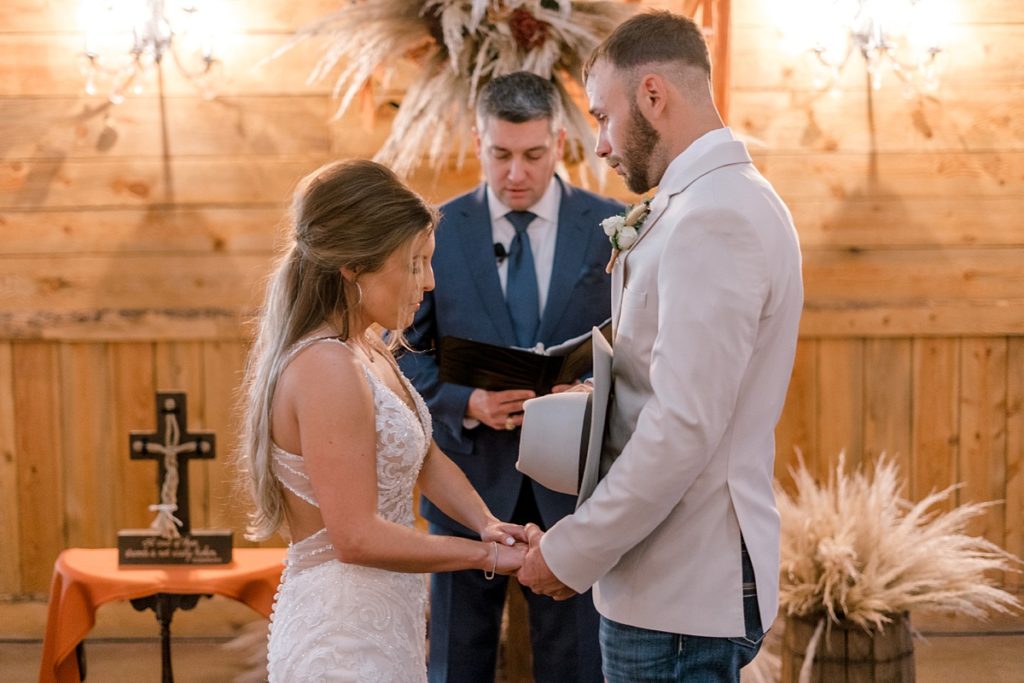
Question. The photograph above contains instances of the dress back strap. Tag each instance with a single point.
(310, 552)
(303, 343)
(290, 470)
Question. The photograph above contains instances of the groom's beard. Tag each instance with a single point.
(641, 140)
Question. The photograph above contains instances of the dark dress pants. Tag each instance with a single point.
(465, 624)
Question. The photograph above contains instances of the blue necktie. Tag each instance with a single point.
(521, 293)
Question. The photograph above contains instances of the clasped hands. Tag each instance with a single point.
(522, 558)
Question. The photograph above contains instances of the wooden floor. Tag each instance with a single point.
(123, 647)
(941, 659)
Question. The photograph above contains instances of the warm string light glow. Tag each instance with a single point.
(902, 37)
(125, 39)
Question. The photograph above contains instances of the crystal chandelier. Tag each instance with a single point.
(902, 37)
(125, 40)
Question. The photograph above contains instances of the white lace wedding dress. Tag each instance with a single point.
(341, 622)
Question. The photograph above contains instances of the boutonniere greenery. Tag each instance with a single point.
(624, 229)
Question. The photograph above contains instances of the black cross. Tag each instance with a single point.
(150, 445)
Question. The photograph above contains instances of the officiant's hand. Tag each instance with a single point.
(535, 573)
(575, 386)
(501, 410)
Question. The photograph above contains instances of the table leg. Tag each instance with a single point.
(164, 605)
(80, 656)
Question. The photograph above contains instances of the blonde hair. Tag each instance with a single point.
(348, 214)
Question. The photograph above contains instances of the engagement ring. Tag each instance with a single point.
(509, 423)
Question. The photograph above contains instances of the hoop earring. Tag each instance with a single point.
(359, 293)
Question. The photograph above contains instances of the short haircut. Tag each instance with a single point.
(652, 38)
(518, 97)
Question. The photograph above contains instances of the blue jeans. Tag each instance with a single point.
(638, 655)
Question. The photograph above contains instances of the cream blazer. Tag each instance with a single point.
(705, 310)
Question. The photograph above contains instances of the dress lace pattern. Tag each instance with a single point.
(341, 622)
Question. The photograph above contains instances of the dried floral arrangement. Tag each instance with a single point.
(459, 46)
(854, 548)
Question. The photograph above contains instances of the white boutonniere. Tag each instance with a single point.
(624, 229)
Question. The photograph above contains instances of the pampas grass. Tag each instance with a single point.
(854, 548)
(459, 46)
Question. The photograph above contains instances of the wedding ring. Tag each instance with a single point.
(509, 423)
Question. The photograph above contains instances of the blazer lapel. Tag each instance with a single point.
(476, 238)
(724, 154)
(618, 283)
(658, 205)
(571, 242)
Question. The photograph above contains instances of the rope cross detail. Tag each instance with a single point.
(171, 446)
(165, 522)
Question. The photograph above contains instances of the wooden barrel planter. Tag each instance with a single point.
(847, 653)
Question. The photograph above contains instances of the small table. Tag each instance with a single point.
(84, 579)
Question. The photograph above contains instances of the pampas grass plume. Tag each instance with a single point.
(854, 548)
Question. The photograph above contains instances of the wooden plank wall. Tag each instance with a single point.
(134, 243)
(134, 240)
(909, 212)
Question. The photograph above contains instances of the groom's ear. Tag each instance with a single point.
(652, 95)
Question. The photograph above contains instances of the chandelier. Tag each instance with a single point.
(903, 37)
(126, 40)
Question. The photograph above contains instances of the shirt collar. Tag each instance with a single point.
(546, 207)
(697, 148)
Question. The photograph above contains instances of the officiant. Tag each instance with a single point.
(519, 260)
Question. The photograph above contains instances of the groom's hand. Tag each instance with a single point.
(535, 573)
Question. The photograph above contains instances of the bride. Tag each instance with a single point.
(335, 438)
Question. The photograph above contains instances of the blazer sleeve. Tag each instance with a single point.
(447, 402)
(712, 283)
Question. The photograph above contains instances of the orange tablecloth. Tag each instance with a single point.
(84, 579)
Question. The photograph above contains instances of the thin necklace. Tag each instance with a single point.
(366, 348)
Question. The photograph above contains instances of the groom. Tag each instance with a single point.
(519, 260)
(681, 535)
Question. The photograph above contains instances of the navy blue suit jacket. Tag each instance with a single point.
(467, 301)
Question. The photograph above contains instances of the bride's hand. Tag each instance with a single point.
(510, 558)
(505, 533)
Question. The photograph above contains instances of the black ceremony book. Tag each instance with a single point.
(496, 368)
